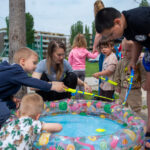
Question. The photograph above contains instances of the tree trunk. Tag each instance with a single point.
(17, 30)
(17, 26)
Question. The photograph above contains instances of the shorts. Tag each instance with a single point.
(146, 60)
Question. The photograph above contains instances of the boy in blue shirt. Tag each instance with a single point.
(134, 25)
(12, 77)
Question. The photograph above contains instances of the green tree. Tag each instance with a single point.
(144, 3)
(72, 34)
(87, 35)
(7, 25)
(75, 29)
(93, 31)
(29, 29)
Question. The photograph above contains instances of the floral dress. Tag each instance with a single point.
(19, 134)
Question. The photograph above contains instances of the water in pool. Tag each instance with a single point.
(79, 125)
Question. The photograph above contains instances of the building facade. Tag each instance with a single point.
(40, 45)
(42, 40)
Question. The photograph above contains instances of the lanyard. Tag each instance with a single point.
(130, 85)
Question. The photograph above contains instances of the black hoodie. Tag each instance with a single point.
(12, 77)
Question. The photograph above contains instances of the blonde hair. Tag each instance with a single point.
(98, 5)
(79, 41)
(31, 105)
(23, 53)
(53, 45)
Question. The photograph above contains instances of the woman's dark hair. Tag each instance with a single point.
(53, 45)
(105, 18)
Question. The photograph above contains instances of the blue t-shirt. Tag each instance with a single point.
(42, 68)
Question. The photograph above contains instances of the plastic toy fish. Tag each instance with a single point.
(74, 91)
(109, 81)
(100, 130)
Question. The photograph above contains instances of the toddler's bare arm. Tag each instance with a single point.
(52, 127)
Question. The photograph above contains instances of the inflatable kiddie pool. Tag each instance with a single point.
(91, 125)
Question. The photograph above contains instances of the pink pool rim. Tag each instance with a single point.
(131, 137)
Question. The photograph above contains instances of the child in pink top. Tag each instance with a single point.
(77, 58)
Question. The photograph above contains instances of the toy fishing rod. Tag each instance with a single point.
(74, 91)
(130, 85)
(109, 81)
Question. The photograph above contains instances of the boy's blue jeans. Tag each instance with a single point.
(5, 107)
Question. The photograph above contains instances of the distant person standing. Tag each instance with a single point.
(77, 58)
(98, 5)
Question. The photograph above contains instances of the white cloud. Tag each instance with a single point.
(59, 15)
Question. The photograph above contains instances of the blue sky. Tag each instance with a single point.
(58, 15)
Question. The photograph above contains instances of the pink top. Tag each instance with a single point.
(78, 56)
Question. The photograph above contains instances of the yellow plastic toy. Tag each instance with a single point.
(86, 93)
(100, 130)
(109, 81)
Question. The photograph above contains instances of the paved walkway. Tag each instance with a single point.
(94, 84)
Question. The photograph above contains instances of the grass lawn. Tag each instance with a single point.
(91, 67)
